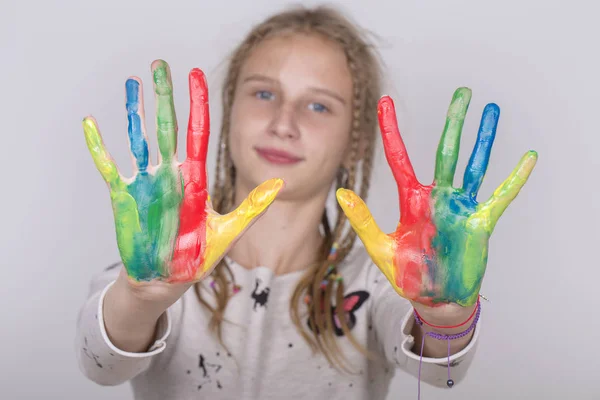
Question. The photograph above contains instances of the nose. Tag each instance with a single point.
(284, 123)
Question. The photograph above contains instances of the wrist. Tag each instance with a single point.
(128, 310)
(446, 319)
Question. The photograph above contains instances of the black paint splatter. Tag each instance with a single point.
(207, 371)
(113, 266)
(290, 345)
(91, 354)
(260, 298)
(204, 366)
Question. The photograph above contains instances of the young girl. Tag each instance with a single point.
(283, 305)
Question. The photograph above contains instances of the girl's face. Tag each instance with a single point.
(291, 115)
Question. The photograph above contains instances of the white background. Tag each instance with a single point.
(538, 60)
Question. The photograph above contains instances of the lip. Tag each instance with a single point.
(275, 156)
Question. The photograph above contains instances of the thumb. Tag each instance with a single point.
(379, 245)
(222, 230)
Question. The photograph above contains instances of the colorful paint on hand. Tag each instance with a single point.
(438, 253)
(164, 225)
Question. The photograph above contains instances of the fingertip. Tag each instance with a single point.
(460, 103)
(532, 154)
(492, 108)
(265, 193)
(346, 197)
(158, 63)
(89, 124)
(132, 85)
(161, 74)
(198, 85)
(277, 184)
(531, 158)
(132, 80)
(385, 104)
(197, 73)
(132, 95)
(463, 91)
(340, 193)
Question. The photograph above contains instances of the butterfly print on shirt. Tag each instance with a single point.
(352, 302)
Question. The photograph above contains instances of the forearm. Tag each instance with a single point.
(129, 322)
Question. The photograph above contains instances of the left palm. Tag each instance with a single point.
(438, 254)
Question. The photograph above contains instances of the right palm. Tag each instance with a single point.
(166, 228)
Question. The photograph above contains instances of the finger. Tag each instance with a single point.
(104, 162)
(163, 215)
(138, 141)
(199, 122)
(166, 121)
(191, 236)
(379, 245)
(224, 229)
(394, 148)
(480, 157)
(492, 209)
(447, 153)
(127, 226)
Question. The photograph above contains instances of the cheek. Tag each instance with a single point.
(247, 121)
(333, 140)
(328, 150)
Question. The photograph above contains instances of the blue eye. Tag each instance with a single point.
(264, 95)
(318, 107)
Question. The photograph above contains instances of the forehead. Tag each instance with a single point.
(297, 60)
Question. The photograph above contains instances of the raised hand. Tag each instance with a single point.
(438, 253)
(166, 228)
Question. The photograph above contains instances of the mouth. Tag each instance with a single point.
(275, 156)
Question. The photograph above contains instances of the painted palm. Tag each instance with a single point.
(165, 226)
(438, 253)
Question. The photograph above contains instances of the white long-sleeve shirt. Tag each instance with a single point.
(267, 357)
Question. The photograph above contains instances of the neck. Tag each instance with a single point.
(286, 238)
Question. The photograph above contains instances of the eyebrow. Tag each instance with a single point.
(327, 92)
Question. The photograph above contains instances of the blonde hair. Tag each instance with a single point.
(366, 77)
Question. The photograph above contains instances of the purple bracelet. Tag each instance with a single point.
(440, 336)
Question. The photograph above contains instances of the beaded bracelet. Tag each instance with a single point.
(440, 336)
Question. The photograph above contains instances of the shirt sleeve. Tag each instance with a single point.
(99, 359)
(393, 321)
